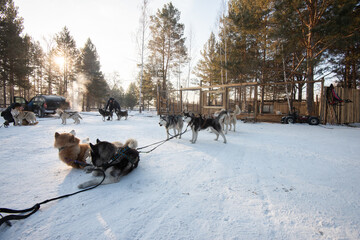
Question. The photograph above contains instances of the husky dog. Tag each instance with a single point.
(121, 114)
(174, 122)
(68, 115)
(71, 151)
(105, 114)
(225, 121)
(230, 119)
(200, 123)
(115, 159)
(20, 115)
(233, 119)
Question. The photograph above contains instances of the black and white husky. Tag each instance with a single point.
(115, 159)
(105, 114)
(121, 114)
(174, 122)
(200, 123)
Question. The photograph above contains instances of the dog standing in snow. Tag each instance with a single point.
(68, 115)
(174, 122)
(233, 119)
(200, 123)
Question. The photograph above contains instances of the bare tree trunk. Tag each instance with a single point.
(4, 90)
(310, 74)
(143, 29)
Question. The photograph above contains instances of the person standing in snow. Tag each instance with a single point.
(112, 104)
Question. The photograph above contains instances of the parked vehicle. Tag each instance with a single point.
(43, 104)
(295, 118)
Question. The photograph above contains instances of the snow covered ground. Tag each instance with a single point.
(270, 181)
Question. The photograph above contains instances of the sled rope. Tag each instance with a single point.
(159, 143)
(29, 211)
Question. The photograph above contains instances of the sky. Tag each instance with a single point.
(112, 26)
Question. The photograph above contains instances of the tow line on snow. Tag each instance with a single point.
(161, 142)
(25, 213)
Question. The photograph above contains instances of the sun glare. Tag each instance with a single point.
(59, 60)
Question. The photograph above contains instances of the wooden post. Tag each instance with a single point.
(158, 100)
(181, 102)
(256, 101)
(201, 101)
(226, 96)
(322, 98)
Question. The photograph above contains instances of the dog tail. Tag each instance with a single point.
(237, 110)
(222, 115)
(131, 143)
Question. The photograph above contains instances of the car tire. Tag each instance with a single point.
(290, 120)
(314, 121)
(41, 113)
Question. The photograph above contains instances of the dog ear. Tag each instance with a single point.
(91, 145)
(57, 134)
(98, 140)
(72, 138)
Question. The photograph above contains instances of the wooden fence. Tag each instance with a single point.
(345, 112)
(271, 111)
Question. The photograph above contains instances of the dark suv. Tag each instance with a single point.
(43, 104)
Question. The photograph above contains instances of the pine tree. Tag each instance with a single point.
(89, 66)
(208, 67)
(37, 58)
(13, 48)
(148, 89)
(344, 55)
(66, 48)
(167, 44)
(131, 96)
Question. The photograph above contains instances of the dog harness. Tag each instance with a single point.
(127, 153)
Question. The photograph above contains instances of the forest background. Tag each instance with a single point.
(264, 41)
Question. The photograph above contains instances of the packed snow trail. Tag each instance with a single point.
(270, 181)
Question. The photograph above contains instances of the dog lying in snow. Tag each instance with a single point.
(71, 151)
(115, 159)
(22, 117)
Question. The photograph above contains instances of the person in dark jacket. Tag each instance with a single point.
(112, 104)
(6, 114)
